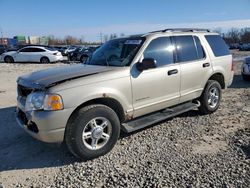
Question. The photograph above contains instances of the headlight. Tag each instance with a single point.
(42, 101)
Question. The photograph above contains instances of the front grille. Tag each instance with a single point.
(22, 116)
(23, 91)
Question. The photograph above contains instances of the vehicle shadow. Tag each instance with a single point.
(238, 82)
(18, 150)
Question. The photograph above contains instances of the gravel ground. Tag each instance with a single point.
(190, 150)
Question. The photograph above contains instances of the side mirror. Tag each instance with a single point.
(147, 63)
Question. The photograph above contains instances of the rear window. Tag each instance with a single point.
(217, 45)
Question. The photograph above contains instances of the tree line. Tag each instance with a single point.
(71, 40)
(234, 35)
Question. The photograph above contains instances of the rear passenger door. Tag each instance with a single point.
(195, 66)
(36, 54)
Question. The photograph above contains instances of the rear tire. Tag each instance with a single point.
(8, 59)
(210, 98)
(44, 60)
(92, 131)
(73, 58)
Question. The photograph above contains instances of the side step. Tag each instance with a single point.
(147, 120)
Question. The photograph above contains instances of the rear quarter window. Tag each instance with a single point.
(217, 45)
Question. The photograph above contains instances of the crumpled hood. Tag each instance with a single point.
(49, 77)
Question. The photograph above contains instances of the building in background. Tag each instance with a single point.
(20, 39)
(44, 41)
(35, 40)
(8, 41)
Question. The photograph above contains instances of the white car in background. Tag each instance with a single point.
(33, 54)
(245, 69)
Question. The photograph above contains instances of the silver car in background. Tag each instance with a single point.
(38, 54)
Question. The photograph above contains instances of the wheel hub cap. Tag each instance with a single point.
(213, 98)
(97, 132)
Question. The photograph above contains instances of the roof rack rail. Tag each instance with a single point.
(182, 30)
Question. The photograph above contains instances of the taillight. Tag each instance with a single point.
(232, 66)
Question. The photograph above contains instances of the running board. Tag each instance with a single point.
(144, 121)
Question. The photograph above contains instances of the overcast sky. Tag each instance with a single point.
(89, 18)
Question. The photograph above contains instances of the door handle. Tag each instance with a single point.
(206, 65)
(174, 71)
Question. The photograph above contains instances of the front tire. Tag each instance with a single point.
(8, 59)
(44, 60)
(92, 131)
(210, 98)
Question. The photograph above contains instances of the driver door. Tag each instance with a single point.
(157, 88)
(23, 55)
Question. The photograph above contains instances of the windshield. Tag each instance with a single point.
(117, 52)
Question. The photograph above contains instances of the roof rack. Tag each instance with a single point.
(182, 30)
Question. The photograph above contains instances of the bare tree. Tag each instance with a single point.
(70, 40)
(234, 35)
(245, 35)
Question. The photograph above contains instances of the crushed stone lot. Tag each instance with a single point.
(190, 150)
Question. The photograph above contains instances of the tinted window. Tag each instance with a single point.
(200, 50)
(218, 45)
(37, 50)
(186, 50)
(161, 49)
(26, 50)
(50, 48)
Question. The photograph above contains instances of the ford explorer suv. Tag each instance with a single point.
(127, 84)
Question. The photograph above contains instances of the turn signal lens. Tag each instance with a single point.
(53, 102)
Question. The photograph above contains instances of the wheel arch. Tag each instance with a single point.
(107, 101)
(45, 57)
(6, 56)
(219, 77)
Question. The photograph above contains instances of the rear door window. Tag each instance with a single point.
(217, 45)
(188, 48)
(37, 50)
(185, 47)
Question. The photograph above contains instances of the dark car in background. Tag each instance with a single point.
(2, 49)
(84, 54)
(244, 47)
(66, 50)
(234, 46)
(72, 56)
